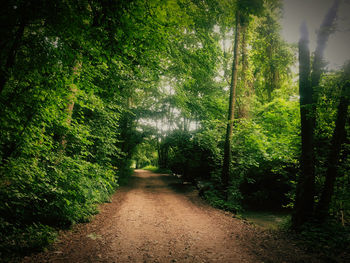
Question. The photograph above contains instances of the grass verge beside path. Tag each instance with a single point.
(266, 220)
(155, 169)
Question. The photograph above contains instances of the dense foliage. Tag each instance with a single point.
(90, 89)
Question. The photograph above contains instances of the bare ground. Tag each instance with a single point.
(157, 219)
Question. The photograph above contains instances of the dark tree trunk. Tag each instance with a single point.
(304, 201)
(163, 150)
(338, 138)
(326, 28)
(225, 175)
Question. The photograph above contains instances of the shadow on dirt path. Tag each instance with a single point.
(155, 218)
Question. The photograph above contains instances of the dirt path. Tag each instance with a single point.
(157, 219)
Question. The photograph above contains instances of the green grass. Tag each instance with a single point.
(156, 169)
(266, 220)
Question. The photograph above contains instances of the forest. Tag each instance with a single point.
(205, 89)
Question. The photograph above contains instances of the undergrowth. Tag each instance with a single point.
(217, 198)
(38, 205)
(330, 239)
(18, 240)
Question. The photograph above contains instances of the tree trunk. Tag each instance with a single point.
(70, 107)
(73, 91)
(227, 148)
(326, 28)
(243, 108)
(304, 201)
(338, 138)
(163, 151)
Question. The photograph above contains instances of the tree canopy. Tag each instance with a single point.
(90, 89)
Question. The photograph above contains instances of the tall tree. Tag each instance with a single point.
(308, 89)
(305, 189)
(244, 98)
(243, 12)
(225, 174)
(339, 135)
(326, 29)
(272, 55)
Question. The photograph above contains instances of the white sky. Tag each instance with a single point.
(313, 12)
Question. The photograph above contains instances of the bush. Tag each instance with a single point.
(330, 239)
(265, 154)
(17, 240)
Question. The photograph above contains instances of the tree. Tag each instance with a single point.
(308, 89)
(272, 56)
(305, 189)
(225, 175)
(242, 16)
(338, 139)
